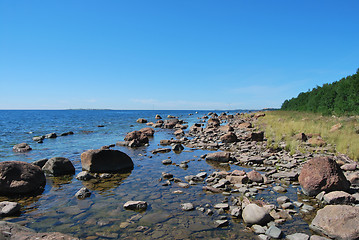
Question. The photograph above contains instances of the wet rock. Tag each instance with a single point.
(135, 205)
(15, 231)
(224, 206)
(337, 221)
(138, 138)
(141, 120)
(21, 147)
(20, 178)
(158, 116)
(338, 197)
(177, 147)
(187, 206)
(58, 166)
(51, 135)
(167, 175)
(161, 150)
(40, 163)
(254, 214)
(322, 174)
(38, 138)
(67, 133)
(84, 176)
(274, 232)
(83, 193)
(297, 236)
(148, 131)
(211, 189)
(219, 156)
(106, 161)
(9, 208)
(258, 229)
(167, 161)
(183, 185)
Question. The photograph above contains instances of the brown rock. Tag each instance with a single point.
(336, 127)
(141, 120)
(226, 128)
(229, 138)
(349, 167)
(219, 156)
(148, 131)
(255, 176)
(338, 197)
(139, 136)
(316, 141)
(158, 117)
(258, 115)
(238, 173)
(106, 161)
(255, 136)
(322, 174)
(58, 166)
(301, 137)
(354, 179)
(237, 179)
(337, 221)
(213, 122)
(21, 147)
(245, 125)
(179, 132)
(20, 178)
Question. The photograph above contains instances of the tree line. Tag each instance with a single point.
(339, 98)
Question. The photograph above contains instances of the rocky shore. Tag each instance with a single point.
(329, 181)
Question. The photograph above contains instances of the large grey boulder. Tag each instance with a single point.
(254, 214)
(20, 178)
(337, 221)
(58, 166)
(106, 160)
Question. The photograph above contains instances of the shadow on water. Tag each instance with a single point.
(103, 185)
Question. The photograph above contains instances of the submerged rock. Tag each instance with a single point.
(106, 160)
(135, 205)
(83, 193)
(20, 178)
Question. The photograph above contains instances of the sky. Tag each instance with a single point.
(172, 54)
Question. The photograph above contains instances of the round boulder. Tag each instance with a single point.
(106, 160)
(20, 178)
(254, 214)
(21, 147)
(58, 166)
(229, 138)
(322, 174)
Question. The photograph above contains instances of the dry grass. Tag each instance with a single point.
(282, 126)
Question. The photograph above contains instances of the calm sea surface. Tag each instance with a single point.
(102, 216)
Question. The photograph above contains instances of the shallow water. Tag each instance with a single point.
(101, 216)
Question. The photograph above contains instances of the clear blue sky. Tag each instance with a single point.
(172, 54)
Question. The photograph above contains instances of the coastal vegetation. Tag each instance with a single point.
(339, 98)
(338, 134)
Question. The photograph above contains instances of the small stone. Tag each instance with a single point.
(221, 223)
(183, 185)
(135, 205)
(187, 206)
(297, 236)
(288, 205)
(274, 232)
(83, 193)
(84, 176)
(258, 229)
(236, 212)
(222, 205)
(282, 199)
(279, 189)
(167, 161)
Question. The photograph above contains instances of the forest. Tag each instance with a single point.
(338, 98)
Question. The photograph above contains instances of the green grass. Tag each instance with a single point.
(282, 126)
